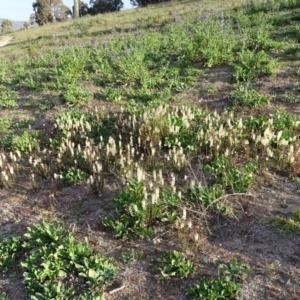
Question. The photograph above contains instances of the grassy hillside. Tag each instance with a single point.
(153, 154)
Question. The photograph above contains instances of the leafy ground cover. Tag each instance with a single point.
(155, 160)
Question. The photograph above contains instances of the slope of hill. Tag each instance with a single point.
(153, 154)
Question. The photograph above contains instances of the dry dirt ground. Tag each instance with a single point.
(5, 40)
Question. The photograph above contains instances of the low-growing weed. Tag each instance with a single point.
(9, 249)
(280, 20)
(234, 271)
(51, 257)
(287, 224)
(232, 178)
(45, 105)
(251, 65)
(209, 197)
(24, 143)
(76, 96)
(113, 94)
(136, 210)
(225, 287)
(97, 270)
(291, 98)
(73, 176)
(294, 33)
(183, 134)
(175, 264)
(129, 256)
(130, 206)
(54, 291)
(283, 120)
(5, 124)
(22, 124)
(213, 289)
(260, 39)
(265, 6)
(243, 96)
(8, 99)
(211, 42)
(293, 52)
(253, 123)
(3, 296)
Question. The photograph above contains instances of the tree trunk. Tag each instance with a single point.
(76, 8)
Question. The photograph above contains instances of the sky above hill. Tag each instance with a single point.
(20, 10)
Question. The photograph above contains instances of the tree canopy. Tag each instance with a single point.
(103, 6)
(146, 2)
(50, 11)
(6, 26)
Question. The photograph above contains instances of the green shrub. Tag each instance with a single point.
(113, 94)
(74, 175)
(234, 271)
(259, 38)
(8, 99)
(287, 224)
(53, 257)
(136, 213)
(213, 289)
(3, 295)
(251, 65)
(25, 143)
(175, 264)
(76, 96)
(9, 249)
(232, 178)
(211, 42)
(243, 96)
(209, 197)
(5, 124)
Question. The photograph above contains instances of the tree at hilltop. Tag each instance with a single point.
(83, 9)
(146, 2)
(103, 6)
(50, 11)
(6, 26)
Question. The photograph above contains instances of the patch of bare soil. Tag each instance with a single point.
(5, 40)
(211, 90)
